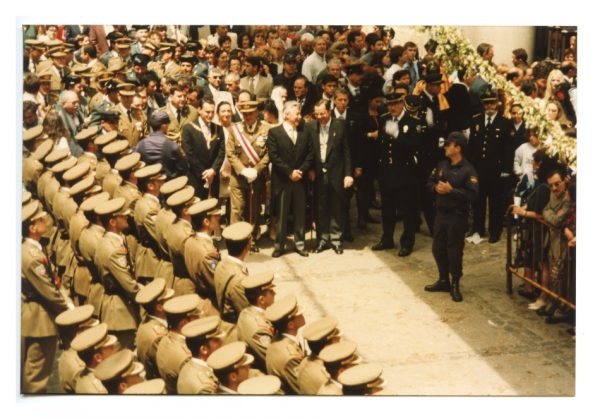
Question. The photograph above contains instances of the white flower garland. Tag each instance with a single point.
(456, 51)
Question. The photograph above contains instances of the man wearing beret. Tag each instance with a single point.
(455, 184)
(398, 174)
(41, 302)
(115, 269)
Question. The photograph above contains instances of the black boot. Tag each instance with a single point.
(455, 291)
(442, 285)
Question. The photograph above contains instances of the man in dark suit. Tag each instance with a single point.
(204, 151)
(430, 150)
(74, 34)
(398, 174)
(489, 143)
(288, 75)
(305, 95)
(331, 172)
(291, 155)
(459, 100)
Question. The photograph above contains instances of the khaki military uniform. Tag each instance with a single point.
(70, 367)
(115, 271)
(144, 215)
(88, 244)
(32, 170)
(311, 375)
(102, 169)
(330, 388)
(254, 329)
(171, 355)
(201, 258)
(176, 236)
(163, 222)
(147, 338)
(50, 191)
(130, 192)
(238, 159)
(231, 297)
(89, 158)
(42, 183)
(56, 79)
(64, 208)
(130, 127)
(188, 114)
(111, 182)
(82, 277)
(41, 302)
(284, 356)
(196, 377)
(87, 383)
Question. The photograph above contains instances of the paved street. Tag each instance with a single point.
(490, 344)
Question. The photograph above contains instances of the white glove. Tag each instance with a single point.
(504, 174)
(391, 129)
(250, 174)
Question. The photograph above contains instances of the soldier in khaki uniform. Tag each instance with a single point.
(200, 254)
(103, 166)
(89, 239)
(172, 352)
(119, 371)
(363, 379)
(247, 153)
(71, 323)
(77, 268)
(47, 177)
(337, 357)
(113, 261)
(92, 346)
(180, 113)
(149, 181)
(203, 337)
(113, 152)
(285, 353)
(56, 66)
(54, 183)
(33, 138)
(252, 326)
(41, 302)
(86, 140)
(34, 167)
(163, 221)
(154, 325)
(132, 127)
(231, 298)
(311, 371)
(176, 235)
(231, 365)
(166, 67)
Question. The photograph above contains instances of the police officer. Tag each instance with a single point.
(398, 174)
(454, 182)
(489, 146)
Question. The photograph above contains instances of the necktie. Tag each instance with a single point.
(129, 114)
(251, 85)
(488, 122)
(178, 116)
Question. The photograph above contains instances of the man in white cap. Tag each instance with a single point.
(231, 365)
(92, 346)
(119, 372)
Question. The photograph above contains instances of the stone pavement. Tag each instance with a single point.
(490, 344)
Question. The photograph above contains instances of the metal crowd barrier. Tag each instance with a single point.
(519, 242)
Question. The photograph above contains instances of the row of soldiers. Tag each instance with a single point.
(127, 277)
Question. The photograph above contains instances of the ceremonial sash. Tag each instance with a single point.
(246, 145)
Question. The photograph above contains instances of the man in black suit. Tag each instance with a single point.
(305, 95)
(459, 100)
(204, 151)
(291, 155)
(430, 150)
(74, 34)
(332, 173)
(398, 174)
(489, 145)
(288, 75)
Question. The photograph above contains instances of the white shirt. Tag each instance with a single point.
(340, 115)
(313, 65)
(291, 131)
(323, 137)
(490, 119)
(523, 162)
(35, 243)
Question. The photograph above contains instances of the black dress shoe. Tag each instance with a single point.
(347, 237)
(439, 286)
(383, 245)
(455, 291)
(321, 247)
(277, 252)
(404, 252)
(338, 250)
(302, 252)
